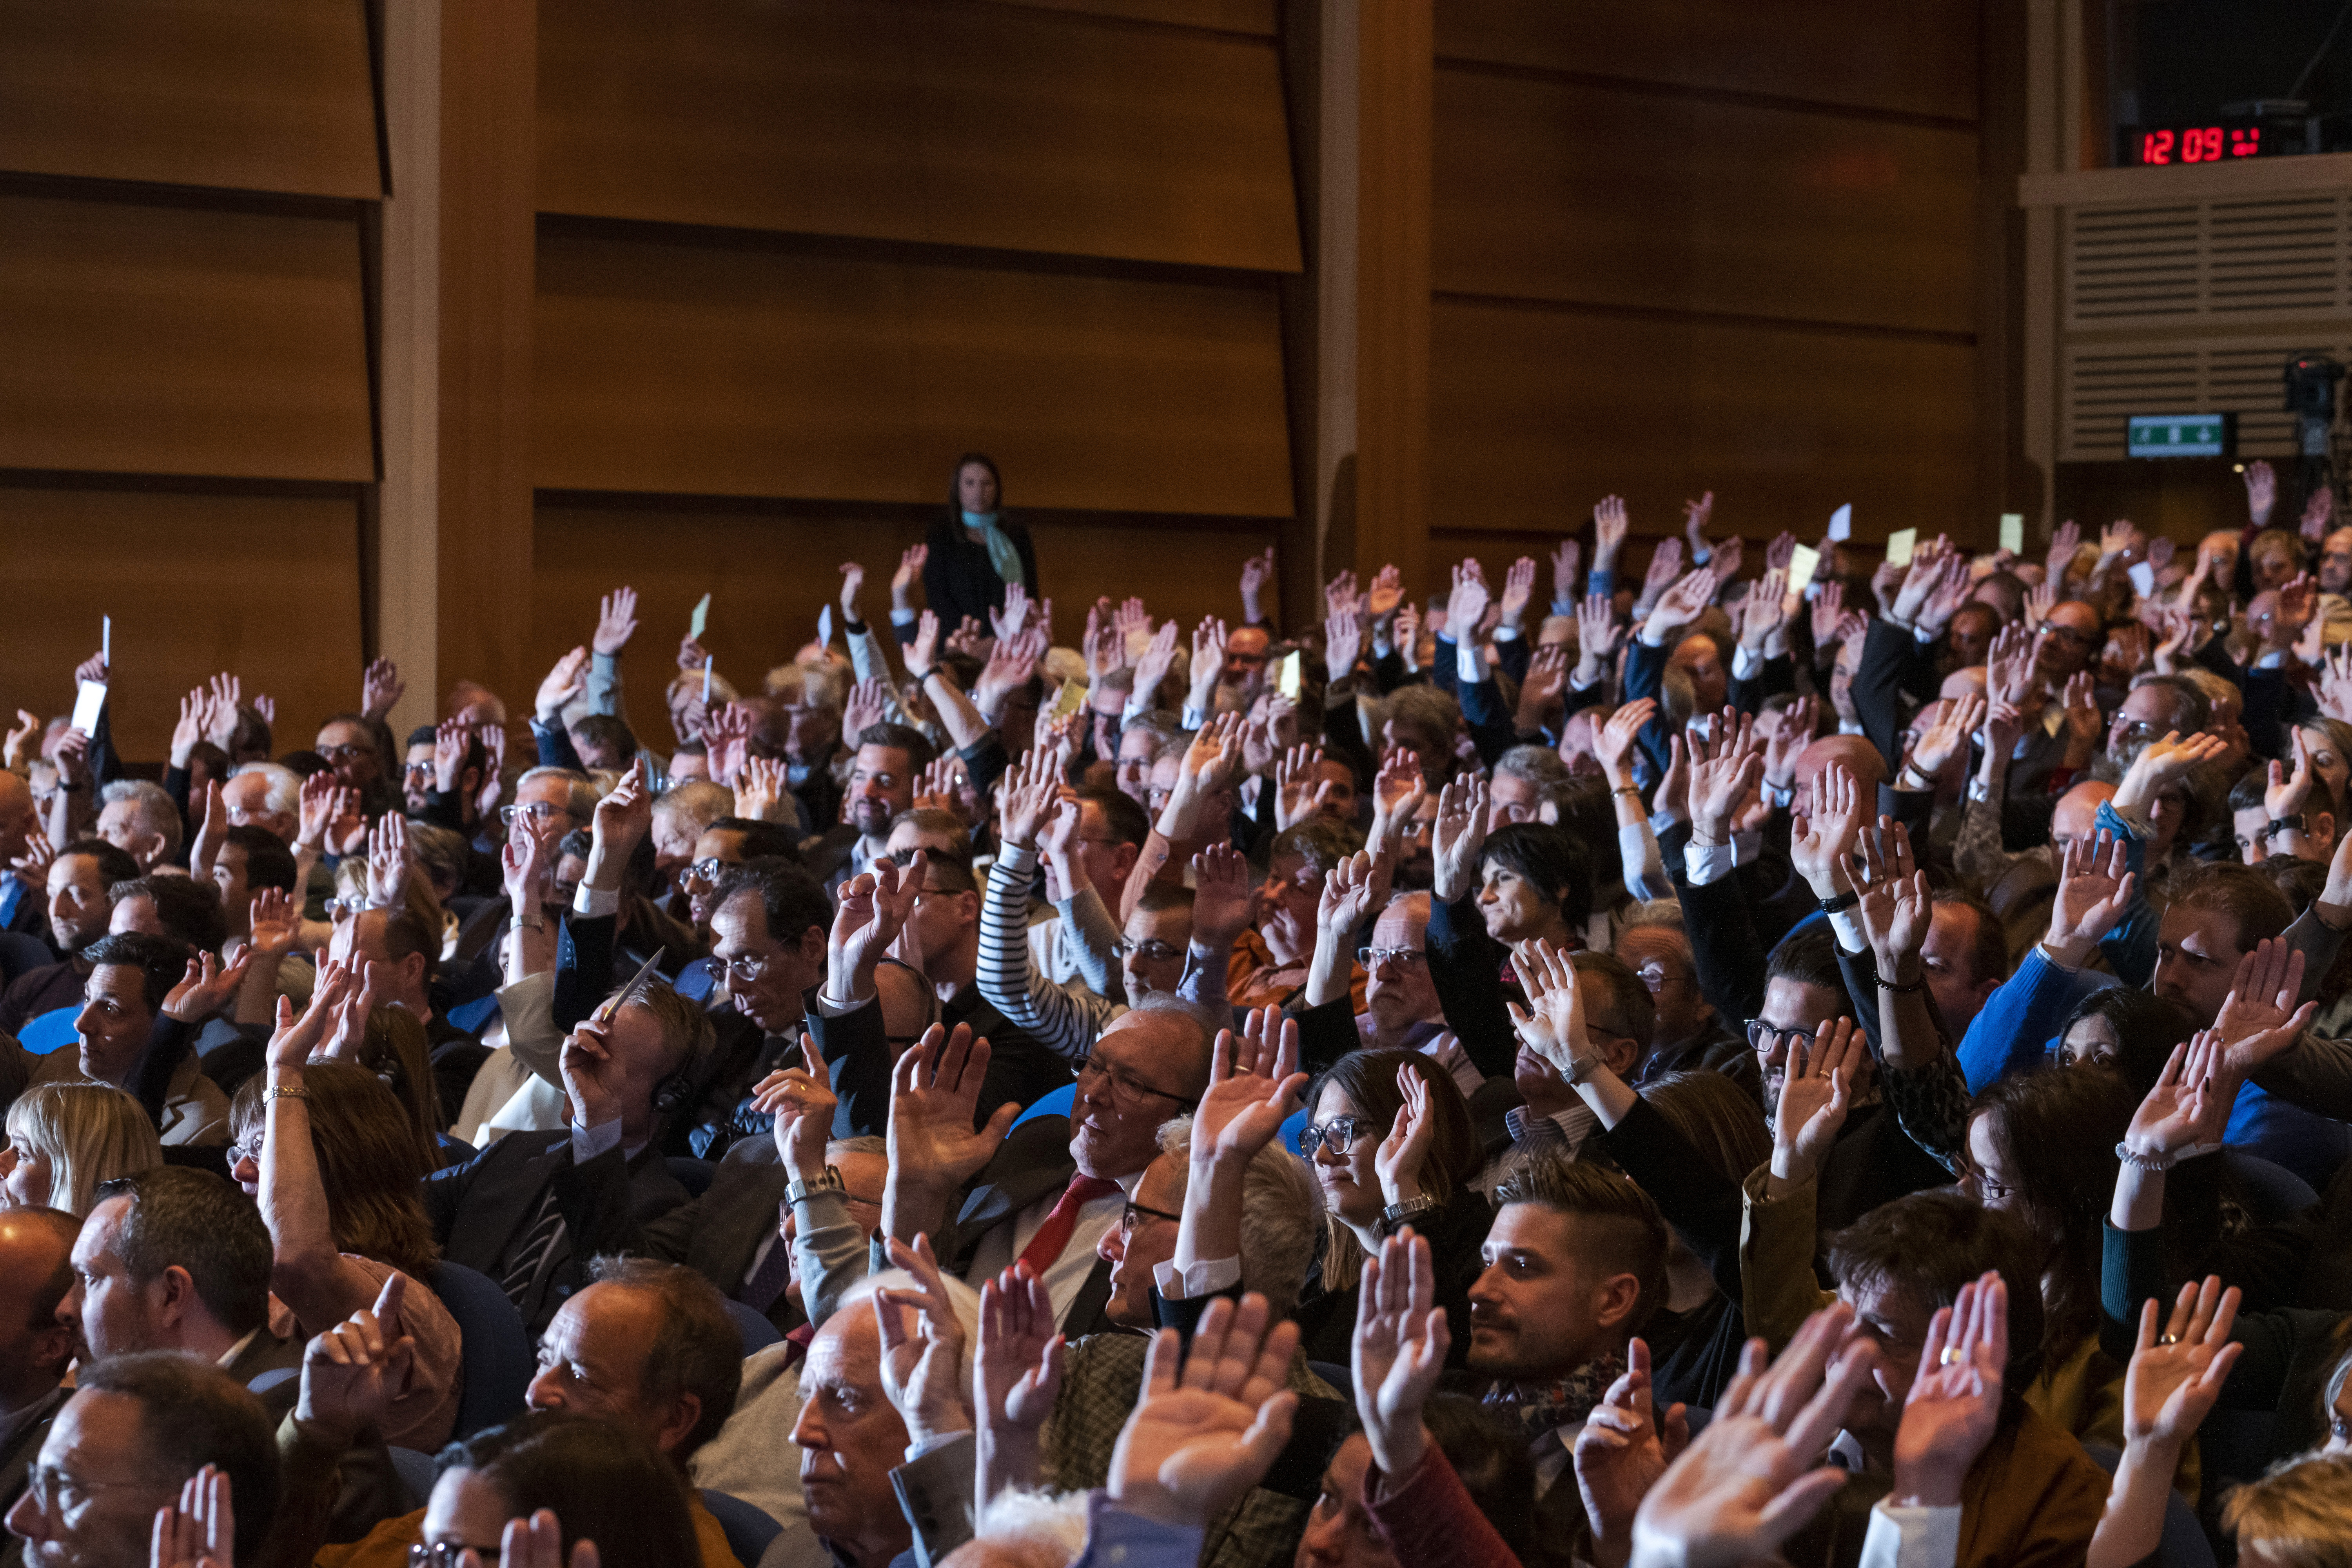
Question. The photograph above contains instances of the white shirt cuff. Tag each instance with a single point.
(592, 902)
(1469, 668)
(1746, 847)
(1506, 632)
(903, 617)
(587, 1143)
(1194, 718)
(1747, 663)
(2270, 661)
(1195, 1280)
(1902, 1536)
(1706, 863)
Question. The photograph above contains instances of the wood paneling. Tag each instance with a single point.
(768, 576)
(1222, 15)
(267, 586)
(707, 371)
(1538, 413)
(170, 340)
(995, 126)
(1918, 57)
(1557, 190)
(263, 95)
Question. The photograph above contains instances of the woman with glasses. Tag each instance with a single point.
(1389, 1143)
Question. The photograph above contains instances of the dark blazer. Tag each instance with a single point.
(959, 580)
(482, 1210)
(719, 1233)
(16, 1457)
(272, 1369)
(1034, 1162)
(1465, 967)
(828, 856)
(39, 991)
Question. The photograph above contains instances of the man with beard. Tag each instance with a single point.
(890, 757)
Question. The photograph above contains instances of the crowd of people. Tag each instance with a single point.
(1841, 1061)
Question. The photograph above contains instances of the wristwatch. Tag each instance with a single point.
(825, 1180)
(1407, 1212)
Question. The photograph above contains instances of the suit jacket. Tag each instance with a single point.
(483, 1209)
(16, 1457)
(829, 855)
(271, 1368)
(719, 1233)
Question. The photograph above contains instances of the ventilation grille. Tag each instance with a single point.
(2217, 260)
(2106, 382)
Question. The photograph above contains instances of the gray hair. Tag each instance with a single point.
(1046, 1523)
(285, 795)
(1280, 1213)
(157, 811)
(583, 797)
(962, 1300)
(1664, 913)
(1540, 767)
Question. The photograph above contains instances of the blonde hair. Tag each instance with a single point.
(91, 1133)
(2295, 1517)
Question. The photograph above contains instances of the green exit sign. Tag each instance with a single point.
(2182, 436)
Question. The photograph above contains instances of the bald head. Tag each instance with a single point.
(1852, 752)
(2078, 812)
(1968, 682)
(16, 813)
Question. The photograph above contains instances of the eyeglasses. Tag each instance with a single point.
(2065, 634)
(1770, 1038)
(1339, 1135)
(537, 810)
(1657, 979)
(450, 1553)
(1131, 1218)
(1151, 950)
(238, 1153)
(2140, 730)
(65, 1497)
(706, 872)
(341, 909)
(345, 753)
(1406, 959)
(741, 970)
(423, 770)
(1122, 1085)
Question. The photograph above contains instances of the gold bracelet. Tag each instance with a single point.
(284, 1092)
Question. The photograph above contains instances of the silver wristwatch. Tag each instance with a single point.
(825, 1180)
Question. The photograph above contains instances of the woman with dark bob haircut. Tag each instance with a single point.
(1389, 1143)
(605, 1485)
(975, 552)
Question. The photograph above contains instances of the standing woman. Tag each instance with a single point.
(974, 552)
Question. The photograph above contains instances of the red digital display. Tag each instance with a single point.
(2200, 144)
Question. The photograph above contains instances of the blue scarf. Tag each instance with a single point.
(1002, 554)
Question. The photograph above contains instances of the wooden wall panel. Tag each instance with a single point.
(1562, 189)
(1538, 414)
(178, 341)
(261, 95)
(1220, 16)
(1918, 57)
(707, 371)
(951, 123)
(768, 577)
(267, 586)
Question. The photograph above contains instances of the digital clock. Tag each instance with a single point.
(2200, 143)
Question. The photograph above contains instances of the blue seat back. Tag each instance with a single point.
(749, 1530)
(51, 1031)
(757, 1332)
(695, 1175)
(496, 1357)
(1056, 1102)
(415, 1469)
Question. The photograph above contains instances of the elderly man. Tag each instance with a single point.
(1690, 1032)
(136, 1430)
(138, 819)
(265, 795)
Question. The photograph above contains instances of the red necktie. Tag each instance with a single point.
(1054, 1236)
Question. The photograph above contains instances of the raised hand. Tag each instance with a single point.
(1203, 1436)
(1614, 743)
(1665, 566)
(2191, 1103)
(1765, 610)
(1788, 741)
(199, 1529)
(1621, 1452)
(800, 1101)
(1150, 670)
(2318, 511)
(1744, 1486)
(911, 568)
(1029, 794)
(1955, 1400)
(1398, 1160)
(2259, 1019)
(1253, 1085)
(1467, 602)
(388, 862)
(934, 1094)
(2093, 890)
(16, 751)
(2261, 492)
(1552, 1024)
(1679, 606)
(1459, 833)
(868, 705)
(207, 987)
(1896, 906)
(1343, 644)
(1609, 525)
(922, 1364)
(1597, 636)
(2175, 1379)
(562, 684)
(1256, 573)
(1829, 618)
(1016, 1374)
(1816, 1093)
(275, 923)
(1567, 573)
(873, 909)
(1724, 768)
(1399, 1350)
(2064, 540)
(1300, 791)
(1225, 897)
(353, 1373)
(1519, 589)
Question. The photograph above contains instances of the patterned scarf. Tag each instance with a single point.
(1003, 553)
(1537, 1409)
